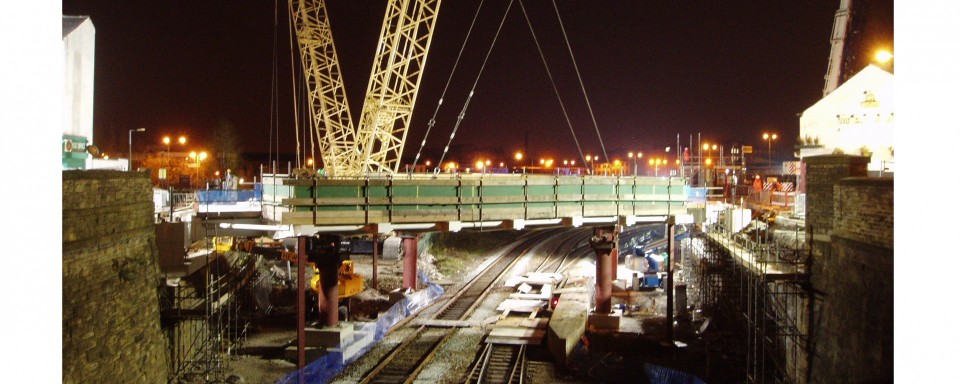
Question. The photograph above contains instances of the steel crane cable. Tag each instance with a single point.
(470, 95)
(433, 119)
(584, 89)
(274, 92)
(552, 81)
(293, 79)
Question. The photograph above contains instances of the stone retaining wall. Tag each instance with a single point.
(111, 310)
(851, 220)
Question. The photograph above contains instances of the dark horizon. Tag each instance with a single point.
(728, 72)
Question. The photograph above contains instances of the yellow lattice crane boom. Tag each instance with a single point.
(377, 142)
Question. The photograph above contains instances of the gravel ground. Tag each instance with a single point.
(261, 360)
(611, 357)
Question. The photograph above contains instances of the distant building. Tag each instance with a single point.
(855, 119)
(79, 45)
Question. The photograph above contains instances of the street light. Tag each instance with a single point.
(883, 56)
(656, 165)
(769, 137)
(130, 145)
(166, 140)
(198, 157)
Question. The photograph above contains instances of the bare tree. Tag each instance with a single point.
(226, 146)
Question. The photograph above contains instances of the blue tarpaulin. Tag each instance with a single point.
(662, 375)
(229, 196)
(328, 366)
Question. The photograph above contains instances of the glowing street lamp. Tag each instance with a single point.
(198, 158)
(769, 137)
(883, 56)
(166, 140)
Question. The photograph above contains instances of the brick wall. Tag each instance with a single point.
(851, 220)
(863, 210)
(822, 173)
(111, 314)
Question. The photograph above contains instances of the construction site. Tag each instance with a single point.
(375, 268)
(760, 294)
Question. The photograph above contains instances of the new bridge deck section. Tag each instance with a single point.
(453, 201)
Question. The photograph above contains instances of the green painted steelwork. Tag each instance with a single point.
(471, 198)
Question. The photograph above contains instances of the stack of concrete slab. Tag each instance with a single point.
(346, 338)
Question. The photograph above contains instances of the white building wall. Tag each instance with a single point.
(859, 113)
(78, 49)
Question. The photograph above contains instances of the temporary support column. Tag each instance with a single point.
(327, 301)
(603, 242)
(409, 261)
(376, 241)
(324, 252)
(614, 259)
(301, 303)
(671, 252)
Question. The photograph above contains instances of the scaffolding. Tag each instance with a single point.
(201, 311)
(754, 285)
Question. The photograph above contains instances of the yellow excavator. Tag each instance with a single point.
(349, 283)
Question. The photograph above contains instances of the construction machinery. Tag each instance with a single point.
(375, 145)
(349, 283)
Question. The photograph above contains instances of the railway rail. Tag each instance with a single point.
(508, 363)
(500, 363)
(408, 358)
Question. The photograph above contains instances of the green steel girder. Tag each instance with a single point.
(467, 198)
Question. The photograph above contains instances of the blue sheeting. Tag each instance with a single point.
(663, 375)
(328, 366)
(229, 195)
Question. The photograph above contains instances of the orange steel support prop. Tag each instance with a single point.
(301, 304)
(410, 262)
(603, 243)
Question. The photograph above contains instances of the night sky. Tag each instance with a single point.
(652, 70)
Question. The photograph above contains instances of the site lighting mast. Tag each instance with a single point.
(130, 145)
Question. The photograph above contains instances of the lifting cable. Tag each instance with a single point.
(293, 79)
(584, 89)
(274, 93)
(433, 119)
(552, 82)
(470, 95)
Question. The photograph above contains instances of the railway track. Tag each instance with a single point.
(500, 363)
(407, 359)
(507, 363)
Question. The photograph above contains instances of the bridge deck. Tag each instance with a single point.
(469, 198)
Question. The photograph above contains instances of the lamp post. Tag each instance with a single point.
(638, 156)
(166, 140)
(656, 165)
(198, 157)
(769, 137)
(130, 145)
